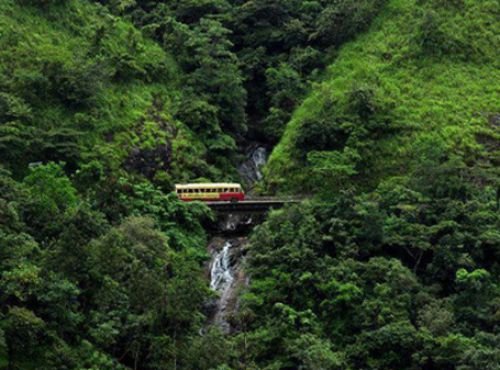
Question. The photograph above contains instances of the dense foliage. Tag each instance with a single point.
(82, 86)
(393, 262)
(403, 277)
(79, 292)
(421, 86)
(263, 53)
(99, 267)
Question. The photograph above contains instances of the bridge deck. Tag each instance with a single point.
(251, 204)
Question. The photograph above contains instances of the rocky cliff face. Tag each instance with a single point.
(251, 169)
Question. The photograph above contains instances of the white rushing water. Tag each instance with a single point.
(221, 274)
(222, 280)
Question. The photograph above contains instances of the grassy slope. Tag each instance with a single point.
(452, 95)
(122, 114)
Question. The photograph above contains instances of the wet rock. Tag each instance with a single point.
(250, 170)
(148, 161)
(233, 222)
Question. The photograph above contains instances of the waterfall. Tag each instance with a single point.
(221, 275)
(222, 281)
(250, 170)
(259, 158)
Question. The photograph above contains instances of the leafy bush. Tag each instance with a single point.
(325, 134)
(344, 19)
(75, 86)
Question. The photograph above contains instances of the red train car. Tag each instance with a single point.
(230, 192)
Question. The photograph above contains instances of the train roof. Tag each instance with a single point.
(208, 185)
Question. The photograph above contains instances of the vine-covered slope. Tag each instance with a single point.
(82, 86)
(422, 82)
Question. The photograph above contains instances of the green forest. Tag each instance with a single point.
(382, 116)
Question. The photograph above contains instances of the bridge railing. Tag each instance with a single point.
(289, 198)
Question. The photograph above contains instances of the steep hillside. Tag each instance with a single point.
(82, 86)
(423, 82)
(94, 259)
(393, 263)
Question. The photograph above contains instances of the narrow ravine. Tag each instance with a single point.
(226, 272)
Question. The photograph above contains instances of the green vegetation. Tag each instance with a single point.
(100, 269)
(265, 54)
(386, 112)
(84, 87)
(404, 277)
(423, 83)
(395, 262)
(78, 292)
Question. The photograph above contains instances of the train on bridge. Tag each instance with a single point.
(210, 192)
